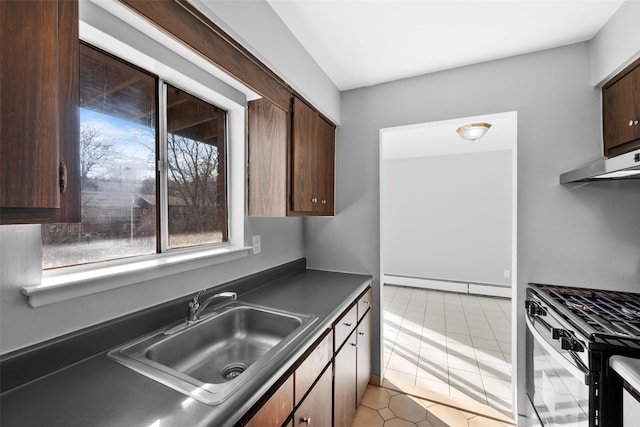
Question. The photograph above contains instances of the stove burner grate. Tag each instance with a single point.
(608, 312)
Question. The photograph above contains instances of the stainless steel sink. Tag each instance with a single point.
(211, 359)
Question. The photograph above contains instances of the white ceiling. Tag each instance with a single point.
(441, 139)
(365, 42)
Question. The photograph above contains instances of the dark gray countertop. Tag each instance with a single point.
(100, 392)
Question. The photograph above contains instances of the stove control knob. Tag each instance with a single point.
(557, 333)
(534, 309)
(570, 344)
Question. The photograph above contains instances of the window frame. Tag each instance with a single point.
(135, 36)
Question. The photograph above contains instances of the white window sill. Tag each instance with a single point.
(72, 282)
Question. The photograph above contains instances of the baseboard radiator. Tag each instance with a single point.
(449, 285)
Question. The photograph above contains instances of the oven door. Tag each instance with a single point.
(557, 380)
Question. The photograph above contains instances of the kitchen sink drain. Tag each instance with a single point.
(232, 371)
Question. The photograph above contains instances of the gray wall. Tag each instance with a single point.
(448, 217)
(20, 262)
(585, 235)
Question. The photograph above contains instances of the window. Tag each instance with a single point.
(195, 182)
(143, 191)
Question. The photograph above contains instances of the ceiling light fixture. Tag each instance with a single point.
(473, 131)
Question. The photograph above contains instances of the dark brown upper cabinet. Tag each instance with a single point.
(39, 114)
(291, 161)
(268, 156)
(312, 162)
(621, 111)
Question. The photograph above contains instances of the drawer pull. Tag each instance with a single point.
(306, 420)
(347, 324)
(361, 333)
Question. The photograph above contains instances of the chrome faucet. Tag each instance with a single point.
(195, 308)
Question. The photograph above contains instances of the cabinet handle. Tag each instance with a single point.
(314, 200)
(361, 333)
(354, 345)
(306, 420)
(348, 325)
(630, 122)
(635, 122)
(63, 177)
(324, 202)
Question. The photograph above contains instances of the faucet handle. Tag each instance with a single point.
(194, 303)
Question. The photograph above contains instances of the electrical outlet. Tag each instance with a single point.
(257, 248)
(507, 274)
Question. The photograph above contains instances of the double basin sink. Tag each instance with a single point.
(211, 359)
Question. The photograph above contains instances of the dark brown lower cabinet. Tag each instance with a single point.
(276, 409)
(316, 409)
(363, 366)
(326, 386)
(345, 383)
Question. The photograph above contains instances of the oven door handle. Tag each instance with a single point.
(578, 369)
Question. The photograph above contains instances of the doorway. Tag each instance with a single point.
(448, 260)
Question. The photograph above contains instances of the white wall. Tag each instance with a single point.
(617, 44)
(448, 217)
(581, 234)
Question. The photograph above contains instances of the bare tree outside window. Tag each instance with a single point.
(196, 180)
(95, 149)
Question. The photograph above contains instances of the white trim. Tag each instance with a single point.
(78, 281)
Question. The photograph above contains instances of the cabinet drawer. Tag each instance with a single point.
(364, 304)
(344, 326)
(277, 409)
(310, 369)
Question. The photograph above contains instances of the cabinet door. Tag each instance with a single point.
(310, 369)
(326, 166)
(363, 368)
(316, 409)
(304, 168)
(268, 155)
(39, 111)
(277, 409)
(621, 113)
(345, 383)
(312, 162)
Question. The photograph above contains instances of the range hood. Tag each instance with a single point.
(624, 166)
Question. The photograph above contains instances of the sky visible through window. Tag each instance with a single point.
(129, 147)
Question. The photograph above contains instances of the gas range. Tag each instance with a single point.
(571, 335)
(607, 318)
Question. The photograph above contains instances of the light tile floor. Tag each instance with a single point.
(455, 345)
